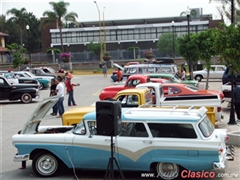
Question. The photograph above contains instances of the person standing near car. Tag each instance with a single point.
(236, 99)
(60, 92)
(70, 90)
(119, 75)
(52, 93)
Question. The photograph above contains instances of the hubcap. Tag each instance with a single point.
(47, 165)
(167, 170)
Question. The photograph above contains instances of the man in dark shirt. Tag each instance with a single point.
(236, 101)
(52, 93)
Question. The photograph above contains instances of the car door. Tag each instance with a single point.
(134, 146)
(90, 150)
(5, 89)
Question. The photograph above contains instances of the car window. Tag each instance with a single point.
(128, 100)
(206, 127)
(92, 127)
(173, 90)
(131, 129)
(1, 82)
(173, 130)
(80, 129)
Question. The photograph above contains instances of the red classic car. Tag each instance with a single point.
(174, 89)
(110, 91)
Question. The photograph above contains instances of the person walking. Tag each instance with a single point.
(183, 75)
(236, 99)
(104, 70)
(52, 93)
(60, 92)
(70, 90)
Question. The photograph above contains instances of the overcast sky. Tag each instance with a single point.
(115, 9)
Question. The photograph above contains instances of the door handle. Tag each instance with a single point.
(148, 141)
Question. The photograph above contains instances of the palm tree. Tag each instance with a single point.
(59, 14)
(20, 18)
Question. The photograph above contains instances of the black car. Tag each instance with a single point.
(23, 92)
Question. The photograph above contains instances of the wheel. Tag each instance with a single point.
(45, 164)
(198, 78)
(167, 170)
(41, 86)
(26, 98)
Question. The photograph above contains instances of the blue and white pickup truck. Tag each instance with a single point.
(165, 141)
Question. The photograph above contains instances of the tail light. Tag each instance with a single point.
(219, 109)
(226, 138)
(220, 151)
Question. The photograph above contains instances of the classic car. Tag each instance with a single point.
(13, 79)
(174, 89)
(215, 72)
(10, 77)
(23, 92)
(174, 79)
(110, 91)
(43, 83)
(40, 72)
(52, 71)
(146, 141)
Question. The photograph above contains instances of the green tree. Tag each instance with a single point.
(188, 49)
(95, 48)
(227, 45)
(17, 51)
(204, 41)
(165, 43)
(59, 14)
(20, 18)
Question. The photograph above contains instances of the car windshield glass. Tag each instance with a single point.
(206, 127)
(80, 128)
(51, 70)
(28, 74)
(175, 78)
(192, 88)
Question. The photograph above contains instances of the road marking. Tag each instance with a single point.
(96, 93)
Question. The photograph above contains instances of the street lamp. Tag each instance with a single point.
(173, 50)
(104, 30)
(232, 119)
(29, 56)
(188, 60)
(100, 31)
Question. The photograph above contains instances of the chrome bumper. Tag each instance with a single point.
(20, 158)
(228, 156)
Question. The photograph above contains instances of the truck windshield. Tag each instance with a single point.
(206, 127)
(80, 129)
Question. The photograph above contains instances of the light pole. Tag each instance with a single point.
(173, 46)
(100, 31)
(232, 119)
(188, 60)
(104, 30)
(29, 56)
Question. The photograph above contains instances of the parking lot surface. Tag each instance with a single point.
(13, 115)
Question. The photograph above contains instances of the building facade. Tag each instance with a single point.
(121, 34)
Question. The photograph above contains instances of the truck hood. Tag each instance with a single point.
(109, 88)
(34, 120)
(118, 66)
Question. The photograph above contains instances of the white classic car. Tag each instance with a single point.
(165, 141)
(216, 72)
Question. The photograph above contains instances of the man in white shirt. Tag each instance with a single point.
(60, 92)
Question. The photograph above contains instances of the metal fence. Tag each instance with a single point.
(87, 56)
